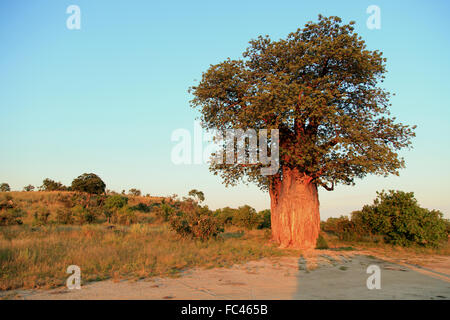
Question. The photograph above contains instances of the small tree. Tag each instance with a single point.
(4, 187)
(247, 217)
(265, 219)
(225, 215)
(196, 223)
(89, 183)
(113, 204)
(51, 185)
(28, 188)
(164, 211)
(116, 202)
(398, 216)
(199, 195)
(134, 192)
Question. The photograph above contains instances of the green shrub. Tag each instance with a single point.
(89, 183)
(180, 224)
(244, 217)
(83, 215)
(164, 211)
(247, 218)
(90, 216)
(265, 220)
(398, 217)
(395, 216)
(225, 215)
(115, 202)
(344, 228)
(142, 207)
(321, 243)
(198, 223)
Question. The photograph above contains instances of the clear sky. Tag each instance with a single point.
(106, 98)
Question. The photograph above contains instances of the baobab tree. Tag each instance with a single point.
(320, 88)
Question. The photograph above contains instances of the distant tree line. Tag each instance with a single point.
(87, 182)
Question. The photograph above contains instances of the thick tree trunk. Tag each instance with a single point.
(295, 211)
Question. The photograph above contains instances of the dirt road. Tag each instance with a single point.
(322, 275)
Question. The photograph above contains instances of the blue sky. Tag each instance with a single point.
(106, 98)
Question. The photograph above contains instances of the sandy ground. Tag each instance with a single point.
(321, 274)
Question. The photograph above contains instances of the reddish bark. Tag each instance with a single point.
(295, 210)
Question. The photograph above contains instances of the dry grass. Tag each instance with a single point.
(30, 202)
(416, 255)
(33, 256)
(38, 257)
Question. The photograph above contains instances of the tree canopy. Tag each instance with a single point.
(90, 183)
(319, 87)
(28, 188)
(199, 195)
(4, 187)
(51, 185)
(134, 192)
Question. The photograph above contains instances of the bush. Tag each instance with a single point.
(247, 218)
(83, 215)
(244, 217)
(265, 220)
(6, 202)
(41, 216)
(198, 223)
(142, 207)
(90, 216)
(321, 243)
(115, 202)
(11, 217)
(225, 215)
(344, 228)
(397, 217)
(64, 216)
(164, 211)
(124, 216)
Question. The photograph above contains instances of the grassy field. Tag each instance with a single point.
(37, 256)
(34, 257)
